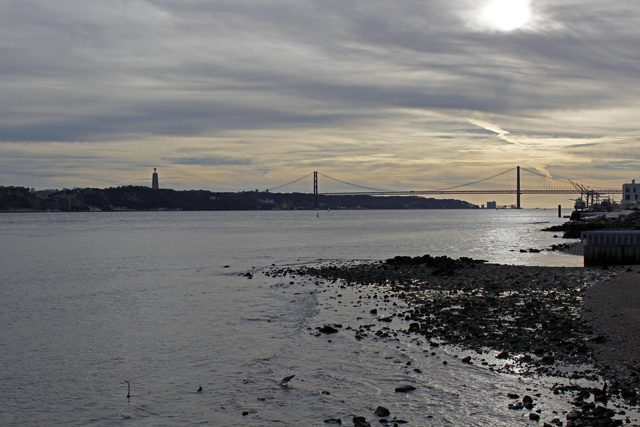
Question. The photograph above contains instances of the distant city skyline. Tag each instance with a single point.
(232, 96)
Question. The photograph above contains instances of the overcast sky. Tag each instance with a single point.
(235, 95)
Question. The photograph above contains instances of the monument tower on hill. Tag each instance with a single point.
(154, 180)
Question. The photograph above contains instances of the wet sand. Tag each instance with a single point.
(612, 309)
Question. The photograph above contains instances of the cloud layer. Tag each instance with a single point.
(210, 92)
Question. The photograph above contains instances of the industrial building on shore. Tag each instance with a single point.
(630, 192)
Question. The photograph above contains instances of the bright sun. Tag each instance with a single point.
(506, 15)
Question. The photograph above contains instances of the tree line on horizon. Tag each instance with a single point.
(138, 198)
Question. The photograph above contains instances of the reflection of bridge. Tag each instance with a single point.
(532, 182)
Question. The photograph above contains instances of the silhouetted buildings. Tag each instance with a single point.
(630, 192)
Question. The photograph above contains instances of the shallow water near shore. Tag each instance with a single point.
(161, 300)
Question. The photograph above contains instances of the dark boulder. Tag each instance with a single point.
(573, 415)
(360, 422)
(405, 388)
(547, 360)
(381, 411)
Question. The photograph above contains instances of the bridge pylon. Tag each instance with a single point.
(518, 187)
(315, 189)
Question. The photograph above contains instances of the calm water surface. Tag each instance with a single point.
(91, 299)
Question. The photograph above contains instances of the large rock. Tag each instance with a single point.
(328, 330)
(360, 422)
(381, 411)
(405, 388)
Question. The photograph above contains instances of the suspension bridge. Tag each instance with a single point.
(517, 181)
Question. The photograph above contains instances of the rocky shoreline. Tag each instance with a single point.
(530, 318)
(628, 220)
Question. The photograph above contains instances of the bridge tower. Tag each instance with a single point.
(518, 187)
(315, 190)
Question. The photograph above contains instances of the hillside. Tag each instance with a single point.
(16, 199)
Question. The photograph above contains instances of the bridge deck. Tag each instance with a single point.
(428, 192)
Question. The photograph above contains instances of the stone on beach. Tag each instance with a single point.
(360, 422)
(381, 411)
(405, 388)
(328, 330)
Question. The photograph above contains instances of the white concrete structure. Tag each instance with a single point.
(630, 192)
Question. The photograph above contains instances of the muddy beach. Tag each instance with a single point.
(552, 321)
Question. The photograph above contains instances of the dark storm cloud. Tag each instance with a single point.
(73, 70)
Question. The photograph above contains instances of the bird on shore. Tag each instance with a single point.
(286, 379)
(128, 389)
(600, 395)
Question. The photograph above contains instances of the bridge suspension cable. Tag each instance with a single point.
(290, 183)
(350, 184)
(478, 181)
(535, 172)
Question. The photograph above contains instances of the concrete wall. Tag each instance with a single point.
(611, 247)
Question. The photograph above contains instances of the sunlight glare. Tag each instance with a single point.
(507, 15)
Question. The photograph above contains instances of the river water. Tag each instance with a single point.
(160, 299)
